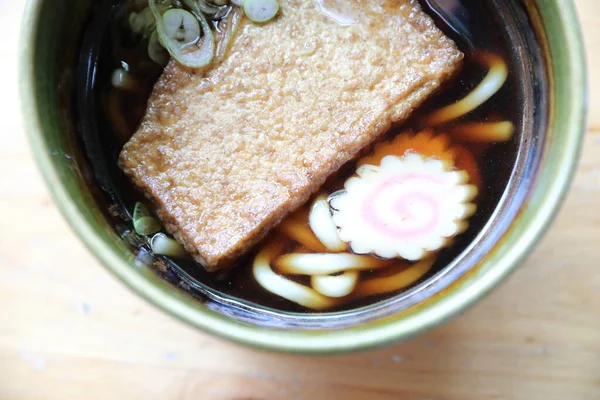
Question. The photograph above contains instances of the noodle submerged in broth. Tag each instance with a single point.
(387, 221)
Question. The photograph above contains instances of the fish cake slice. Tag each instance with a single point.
(226, 154)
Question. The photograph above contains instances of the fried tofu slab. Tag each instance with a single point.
(226, 154)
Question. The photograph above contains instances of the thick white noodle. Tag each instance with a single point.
(335, 285)
(166, 246)
(326, 264)
(284, 287)
(323, 227)
(301, 233)
(406, 276)
(484, 132)
(493, 81)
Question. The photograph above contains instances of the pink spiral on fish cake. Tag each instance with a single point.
(402, 207)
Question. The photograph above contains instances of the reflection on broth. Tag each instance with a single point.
(387, 220)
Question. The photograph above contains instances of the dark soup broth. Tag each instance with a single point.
(117, 75)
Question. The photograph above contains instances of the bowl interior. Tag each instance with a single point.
(538, 179)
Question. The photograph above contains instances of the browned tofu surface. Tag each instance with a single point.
(226, 154)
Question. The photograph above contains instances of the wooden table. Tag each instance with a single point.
(69, 330)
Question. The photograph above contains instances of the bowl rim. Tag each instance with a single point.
(566, 52)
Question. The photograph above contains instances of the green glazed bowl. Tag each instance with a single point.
(50, 37)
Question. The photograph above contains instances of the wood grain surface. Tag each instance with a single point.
(69, 330)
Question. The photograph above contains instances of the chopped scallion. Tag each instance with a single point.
(261, 10)
(143, 222)
(181, 26)
(146, 226)
(173, 34)
(140, 210)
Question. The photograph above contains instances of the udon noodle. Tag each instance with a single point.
(495, 78)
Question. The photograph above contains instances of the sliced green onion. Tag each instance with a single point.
(261, 10)
(181, 26)
(140, 210)
(166, 246)
(156, 51)
(143, 222)
(146, 226)
(187, 54)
